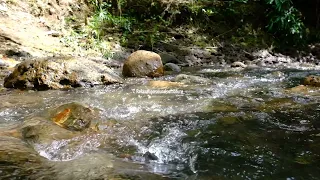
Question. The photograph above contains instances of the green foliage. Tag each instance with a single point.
(247, 22)
(285, 21)
(102, 21)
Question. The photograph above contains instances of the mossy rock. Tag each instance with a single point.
(73, 116)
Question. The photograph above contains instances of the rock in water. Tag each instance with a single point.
(73, 116)
(238, 64)
(59, 73)
(19, 161)
(143, 63)
(172, 67)
(312, 81)
(191, 79)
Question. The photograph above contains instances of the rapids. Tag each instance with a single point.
(244, 124)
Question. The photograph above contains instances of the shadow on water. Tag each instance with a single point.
(246, 145)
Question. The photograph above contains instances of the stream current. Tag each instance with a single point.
(245, 124)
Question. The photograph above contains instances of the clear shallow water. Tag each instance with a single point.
(243, 125)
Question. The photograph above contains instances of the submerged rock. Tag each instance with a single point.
(172, 67)
(64, 122)
(191, 79)
(19, 161)
(59, 73)
(41, 131)
(143, 63)
(312, 81)
(73, 116)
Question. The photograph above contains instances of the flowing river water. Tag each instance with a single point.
(243, 124)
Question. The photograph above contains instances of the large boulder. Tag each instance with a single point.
(59, 73)
(143, 63)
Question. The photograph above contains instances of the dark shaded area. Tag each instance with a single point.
(252, 147)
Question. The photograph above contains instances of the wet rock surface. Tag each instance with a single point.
(59, 73)
(73, 116)
(312, 81)
(19, 160)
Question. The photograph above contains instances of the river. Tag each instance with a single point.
(244, 124)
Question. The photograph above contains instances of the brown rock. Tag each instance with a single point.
(16, 156)
(143, 63)
(312, 81)
(73, 116)
(59, 73)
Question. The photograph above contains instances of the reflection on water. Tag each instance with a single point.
(243, 125)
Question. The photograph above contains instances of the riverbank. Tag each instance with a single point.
(37, 29)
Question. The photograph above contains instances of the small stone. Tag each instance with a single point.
(238, 64)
